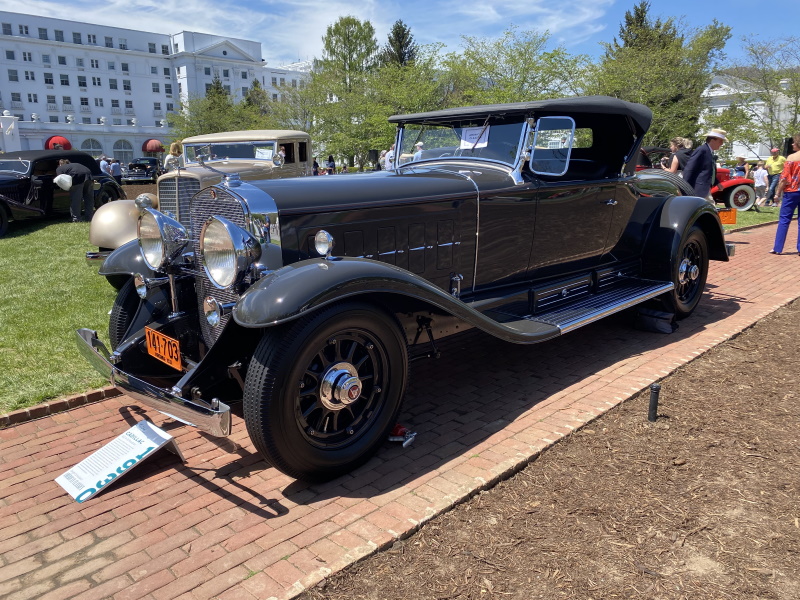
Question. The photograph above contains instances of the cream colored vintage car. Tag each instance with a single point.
(206, 160)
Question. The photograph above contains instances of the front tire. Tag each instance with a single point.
(742, 197)
(122, 313)
(4, 220)
(322, 393)
(689, 274)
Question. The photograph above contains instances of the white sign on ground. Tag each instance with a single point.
(112, 461)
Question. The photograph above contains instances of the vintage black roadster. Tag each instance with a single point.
(306, 299)
(27, 189)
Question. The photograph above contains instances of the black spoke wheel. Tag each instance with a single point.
(122, 313)
(689, 274)
(321, 394)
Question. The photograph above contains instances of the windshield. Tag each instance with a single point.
(465, 139)
(16, 165)
(225, 150)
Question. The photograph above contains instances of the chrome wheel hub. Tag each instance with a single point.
(687, 271)
(340, 386)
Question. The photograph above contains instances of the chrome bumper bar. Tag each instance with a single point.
(94, 258)
(214, 421)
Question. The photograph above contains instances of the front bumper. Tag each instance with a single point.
(94, 259)
(214, 420)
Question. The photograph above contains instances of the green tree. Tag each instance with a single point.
(764, 90)
(211, 114)
(257, 97)
(349, 52)
(400, 48)
(663, 66)
(216, 90)
(516, 67)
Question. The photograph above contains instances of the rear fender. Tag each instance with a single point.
(114, 224)
(677, 215)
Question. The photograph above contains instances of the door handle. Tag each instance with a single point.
(611, 202)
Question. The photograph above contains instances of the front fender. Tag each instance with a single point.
(299, 288)
(677, 215)
(126, 260)
(114, 224)
(731, 183)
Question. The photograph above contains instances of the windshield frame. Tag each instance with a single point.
(26, 164)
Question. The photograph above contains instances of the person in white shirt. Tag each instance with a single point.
(418, 152)
(175, 151)
(761, 180)
(390, 159)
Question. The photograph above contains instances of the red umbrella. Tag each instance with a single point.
(152, 146)
(55, 141)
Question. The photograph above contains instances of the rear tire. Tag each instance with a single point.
(4, 220)
(322, 393)
(122, 313)
(689, 274)
(742, 197)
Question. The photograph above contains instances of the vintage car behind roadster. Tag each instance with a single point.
(306, 299)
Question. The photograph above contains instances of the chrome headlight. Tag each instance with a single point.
(161, 238)
(228, 251)
(323, 243)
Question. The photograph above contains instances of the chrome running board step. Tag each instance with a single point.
(582, 312)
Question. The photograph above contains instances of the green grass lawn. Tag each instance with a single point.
(47, 291)
(749, 218)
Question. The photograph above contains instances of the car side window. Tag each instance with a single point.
(553, 138)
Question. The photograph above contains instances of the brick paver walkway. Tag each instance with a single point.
(225, 525)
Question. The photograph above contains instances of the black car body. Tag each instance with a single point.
(27, 189)
(308, 298)
(142, 170)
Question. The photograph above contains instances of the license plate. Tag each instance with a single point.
(164, 348)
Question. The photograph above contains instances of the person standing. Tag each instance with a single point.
(390, 159)
(680, 155)
(701, 168)
(82, 189)
(774, 166)
(789, 186)
(104, 166)
(315, 167)
(741, 168)
(761, 182)
(418, 151)
(331, 165)
(116, 170)
(175, 151)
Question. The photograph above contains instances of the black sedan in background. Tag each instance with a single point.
(27, 189)
(142, 170)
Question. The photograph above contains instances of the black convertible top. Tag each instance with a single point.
(75, 156)
(589, 105)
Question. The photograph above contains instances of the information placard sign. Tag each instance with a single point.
(97, 471)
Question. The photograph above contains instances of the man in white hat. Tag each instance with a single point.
(701, 169)
(418, 153)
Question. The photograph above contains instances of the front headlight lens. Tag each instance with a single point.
(161, 238)
(228, 251)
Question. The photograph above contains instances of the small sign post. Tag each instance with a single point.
(97, 471)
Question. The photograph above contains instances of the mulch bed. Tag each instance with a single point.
(703, 503)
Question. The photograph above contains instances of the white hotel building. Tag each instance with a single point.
(107, 90)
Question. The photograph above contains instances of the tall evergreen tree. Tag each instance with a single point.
(216, 90)
(400, 48)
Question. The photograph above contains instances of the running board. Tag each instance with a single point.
(582, 312)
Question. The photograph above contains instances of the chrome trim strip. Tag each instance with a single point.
(214, 422)
(92, 258)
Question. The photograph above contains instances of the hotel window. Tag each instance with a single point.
(48, 78)
(207, 71)
(116, 121)
(16, 96)
(244, 74)
(274, 82)
(7, 29)
(42, 33)
(168, 88)
(76, 38)
(59, 35)
(98, 102)
(294, 83)
(62, 60)
(170, 107)
(67, 100)
(165, 49)
(95, 64)
(123, 44)
(129, 122)
(51, 99)
(23, 30)
(274, 97)
(84, 102)
(91, 39)
(244, 91)
(112, 66)
(126, 85)
(153, 70)
(33, 98)
(109, 42)
(27, 57)
(115, 103)
(10, 55)
(86, 120)
(227, 89)
(156, 105)
(226, 73)
(166, 72)
(156, 89)
(151, 48)
(30, 76)
(97, 81)
(46, 59)
(13, 75)
(54, 118)
(112, 84)
(283, 81)
(81, 80)
(124, 66)
(79, 62)
(129, 104)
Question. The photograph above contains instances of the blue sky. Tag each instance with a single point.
(292, 30)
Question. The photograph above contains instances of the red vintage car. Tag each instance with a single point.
(733, 192)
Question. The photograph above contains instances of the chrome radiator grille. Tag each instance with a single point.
(175, 195)
(203, 207)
